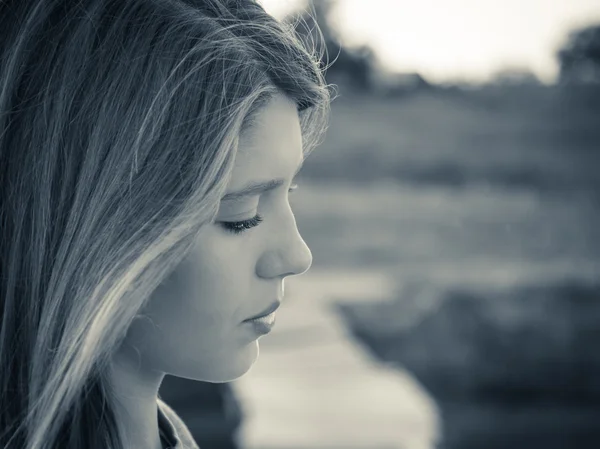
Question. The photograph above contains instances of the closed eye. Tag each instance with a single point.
(237, 227)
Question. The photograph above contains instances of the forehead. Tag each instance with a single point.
(272, 146)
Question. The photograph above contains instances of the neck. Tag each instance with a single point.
(135, 392)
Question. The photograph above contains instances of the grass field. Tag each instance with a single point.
(442, 182)
(542, 138)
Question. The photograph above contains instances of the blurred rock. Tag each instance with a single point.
(520, 344)
(518, 367)
(487, 425)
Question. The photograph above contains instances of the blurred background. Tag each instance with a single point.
(453, 215)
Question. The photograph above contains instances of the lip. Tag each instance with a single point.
(272, 308)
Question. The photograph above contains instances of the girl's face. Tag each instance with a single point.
(195, 327)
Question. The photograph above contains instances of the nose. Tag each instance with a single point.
(288, 257)
(299, 260)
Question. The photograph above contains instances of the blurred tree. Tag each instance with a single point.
(579, 58)
(515, 76)
(387, 83)
(345, 65)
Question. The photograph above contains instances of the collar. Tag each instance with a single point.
(166, 431)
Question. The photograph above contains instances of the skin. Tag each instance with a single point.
(192, 326)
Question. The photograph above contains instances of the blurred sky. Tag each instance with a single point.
(468, 40)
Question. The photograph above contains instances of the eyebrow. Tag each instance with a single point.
(257, 188)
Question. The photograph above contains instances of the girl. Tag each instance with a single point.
(147, 148)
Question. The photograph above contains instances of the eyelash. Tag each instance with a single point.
(237, 227)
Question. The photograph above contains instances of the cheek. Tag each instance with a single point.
(194, 317)
(201, 298)
(219, 274)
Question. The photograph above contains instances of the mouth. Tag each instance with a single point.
(268, 311)
(262, 325)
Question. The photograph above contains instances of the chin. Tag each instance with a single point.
(241, 365)
(230, 369)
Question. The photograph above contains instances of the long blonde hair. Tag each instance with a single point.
(119, 122)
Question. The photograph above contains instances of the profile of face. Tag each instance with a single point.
(193, 325)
